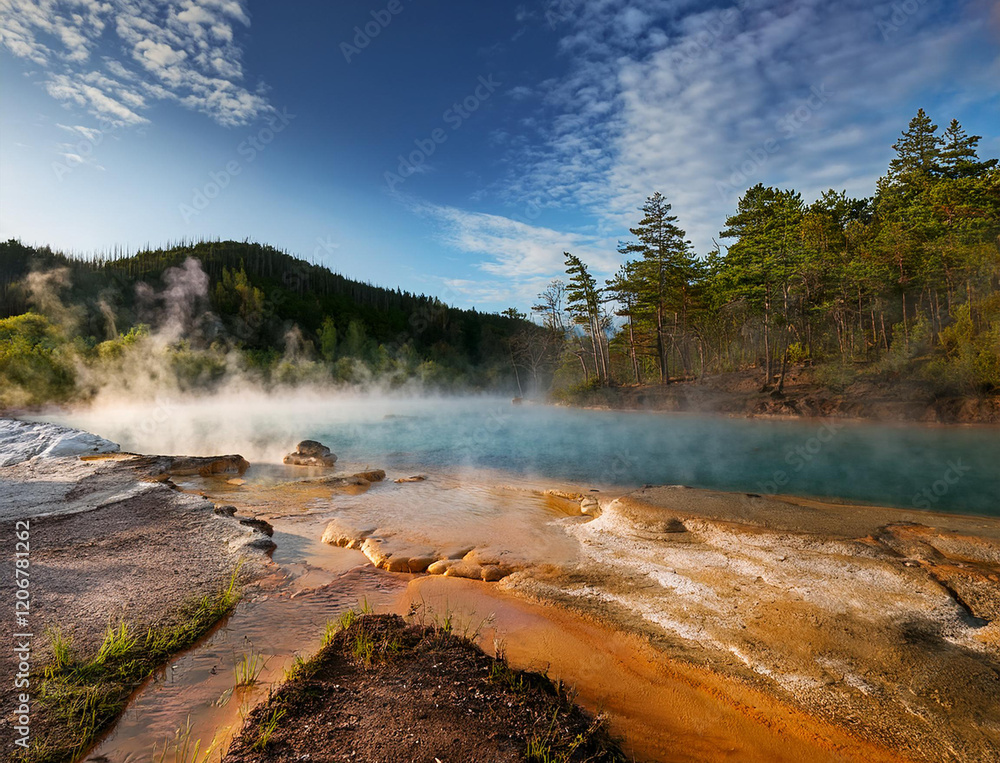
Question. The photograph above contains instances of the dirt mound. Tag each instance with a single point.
(383, 690)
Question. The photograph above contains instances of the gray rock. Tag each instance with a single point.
(311, 453)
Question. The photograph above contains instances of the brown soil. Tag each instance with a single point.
(739, 394)
(425, 695)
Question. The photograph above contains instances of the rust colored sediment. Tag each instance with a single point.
(665, 709)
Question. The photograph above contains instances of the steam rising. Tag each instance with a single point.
(180, 311)
(183, 387)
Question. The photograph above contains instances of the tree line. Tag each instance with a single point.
(263, 312)
(906, 282)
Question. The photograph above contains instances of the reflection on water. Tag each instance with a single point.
(938, 468)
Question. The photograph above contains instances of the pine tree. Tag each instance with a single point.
(917, 151)
(958, 156)
(767, 252)
(665, 270)
(625, 289)
(583, 300)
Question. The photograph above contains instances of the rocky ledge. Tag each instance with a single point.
(112, 541)
(885, 621)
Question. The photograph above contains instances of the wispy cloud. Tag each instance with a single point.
(668, 95)
(517, 259)
(175, 50)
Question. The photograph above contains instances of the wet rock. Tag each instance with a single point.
(352, 481)
(161, 467)
(564, 495)
(492, 565)
(440, 567)
(225, 511)
(464, 569)
(414, 478)
(21, 440)
(397, 564)
(492, 573)
(411, 564)
(375, 475)
(420, 563)
(340, 533)
(312, 448)
(372, 548)
(590, 507)
(257, 524)
(311, 453)
(455, 552)
(261, 542)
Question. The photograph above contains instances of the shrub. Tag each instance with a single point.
(34, 365)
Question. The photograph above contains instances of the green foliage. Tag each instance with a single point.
(901, 286)
(971, 360)
(248, 667)
(328, 339)
(836, 375)
(267, 728)
(266, 314)
(35, 362)
(185, 749)
(116, 349)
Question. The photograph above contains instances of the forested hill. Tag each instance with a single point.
(258, 301)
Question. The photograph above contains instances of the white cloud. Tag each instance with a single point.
(665, 95)
(97, 100)
(178, 50)
(517, 259)
(87, 133)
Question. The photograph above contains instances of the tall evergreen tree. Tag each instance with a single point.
(767, 253)
(665, 269)
(583, 300)
(958, 155)
(918, 150)
(624, 288)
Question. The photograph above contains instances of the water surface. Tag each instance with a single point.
(940, 468)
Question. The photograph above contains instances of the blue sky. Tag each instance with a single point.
(524, 129)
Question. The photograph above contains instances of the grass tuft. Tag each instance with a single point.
(184, 749)
(84, 696)
(62, 652)
(267, 729)
(248, 668)
(296, 669)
